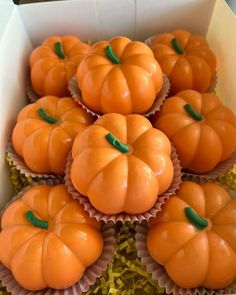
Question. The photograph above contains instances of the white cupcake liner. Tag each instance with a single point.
(20, 165)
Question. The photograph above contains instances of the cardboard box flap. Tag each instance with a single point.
(6, 9)
(102, 19)
(222, 38)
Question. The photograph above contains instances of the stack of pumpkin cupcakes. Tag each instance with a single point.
(119, 142)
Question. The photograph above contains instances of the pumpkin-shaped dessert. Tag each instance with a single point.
(45, 131)
(121, 163)
(47, 240)
(120, 76)
(54, 63)
(194, 236)
(201, 128)
(186, 59)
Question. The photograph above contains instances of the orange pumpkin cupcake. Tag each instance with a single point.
(54, 63)
(192, 241)
(186, 59)
(121, 164)
(45, 131)
(47, 241)
(202, 129)
(120, 76)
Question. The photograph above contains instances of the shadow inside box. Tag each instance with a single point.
(31, 1)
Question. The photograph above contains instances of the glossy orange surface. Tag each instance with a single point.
(201, 145)
(50, 74)
(122, 182)
(55, 257)
(193, 257)
(128, 87)
(44, 146)
(193, 69)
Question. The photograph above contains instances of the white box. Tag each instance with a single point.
(24, 27)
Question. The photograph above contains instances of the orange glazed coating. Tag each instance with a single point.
(129, 86)
(55, 257)
(195, 256)
(116, 181)
(191, 68)
(44, 145)
(202, 142)
(54, 63)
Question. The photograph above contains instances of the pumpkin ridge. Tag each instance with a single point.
(48, 207)
(182, 246)
(220, 211)
(61, 116)
(46, 76)
(32, 134)
(197, 146)
(228, 245)
(42, 271)
(40, 90)
(48, 160)
(61, 209)
(61, 240)
(188, 40)
(127, 190)
(222, 109)
(169, 55)
(199, 143)
(138, 67)
(120, 155)
(68, 52)
(13, 226)
(176, 63)
(129, 171)
(101, 86)
(132, 98)
(222, 123)
(130, 44)
(212, 230)
(40, 232)
(140, 136)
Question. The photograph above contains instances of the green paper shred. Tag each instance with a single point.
(126, 275)
(229, 179)
(18, 180)
(3, 290)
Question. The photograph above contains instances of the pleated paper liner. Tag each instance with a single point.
(215, 173)
(30, 93)
(88, 278)
(160, 275)
(99, 216)
(212, 87)
(158, 102)
(20, 165)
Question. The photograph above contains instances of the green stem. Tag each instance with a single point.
(123, 148)
(195, 219)
(35, 221)
(176, 46)
(46, 117)
(59, 50)
(111, 55)
(194, 114)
